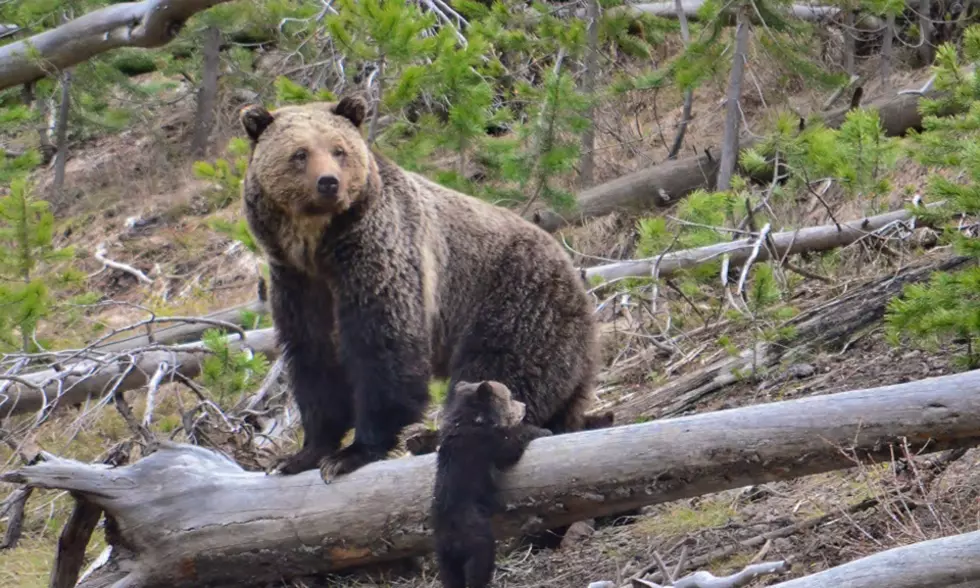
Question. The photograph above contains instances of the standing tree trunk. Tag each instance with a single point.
(729, 147)
(207, 94)
(688, 95)
(849, 49)
(587, 162)
(373, 126)
(925, 32)
(62, 132)
(886, 51)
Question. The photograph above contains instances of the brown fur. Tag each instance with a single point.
(399, 279)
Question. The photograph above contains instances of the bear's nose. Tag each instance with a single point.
(328, 186)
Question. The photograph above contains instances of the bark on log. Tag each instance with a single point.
(819, 238)
(77, 381)
(150, 23)
(664, 184)
(185, 516)
(947, 562)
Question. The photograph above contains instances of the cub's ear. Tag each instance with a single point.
(255, 120)
(353, 108)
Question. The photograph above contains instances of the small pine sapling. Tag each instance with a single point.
(945, 309)
(27, 260)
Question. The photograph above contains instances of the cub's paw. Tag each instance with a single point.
(345, 461)
(300, 461)
(422, 442)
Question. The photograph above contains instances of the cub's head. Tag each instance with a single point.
(486, 403)
(309, 160)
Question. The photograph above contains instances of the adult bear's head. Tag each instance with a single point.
(310, 160)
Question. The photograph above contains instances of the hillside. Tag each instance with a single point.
(150, 217)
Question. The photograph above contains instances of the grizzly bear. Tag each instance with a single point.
(481, 433)
(381, 279)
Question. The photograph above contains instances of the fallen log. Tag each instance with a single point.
(827, 326)
(76, 382)
(947, 562)
(664, 184)
(187, 516)
(183, 332)
(814, 239)
(146, 24)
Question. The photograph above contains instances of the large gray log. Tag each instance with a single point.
(819, 238)
(947, 562)
(185, 517)
(150, 23)
(183, 332)
(79, 380)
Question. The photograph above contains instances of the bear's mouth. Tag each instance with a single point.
(317, 208)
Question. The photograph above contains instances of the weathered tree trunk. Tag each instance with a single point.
(925, 32)
(946, 562)
(207, 95)
(586, 166)
(819, 238)
(184, 332)
(150, 23)
(729, 143)
(663, 185)
(810, 13)
(849, 44)
(689, 94)
(826, 327)
(75, 382)
(185, 516)
(61, 155)
(886, 51)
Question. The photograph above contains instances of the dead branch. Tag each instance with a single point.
(938, 563)
(819, 238)
(190, 329)
(100, 255)
(150, 23)
(88, 376)
(708, 580)
(187, 516)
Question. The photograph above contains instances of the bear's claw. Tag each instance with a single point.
(300, 461)
(345, 461)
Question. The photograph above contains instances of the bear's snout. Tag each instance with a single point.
(327, 186)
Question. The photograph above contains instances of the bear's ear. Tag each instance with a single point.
(255, 120)
(353, 108)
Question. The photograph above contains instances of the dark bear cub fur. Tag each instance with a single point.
(481, 433)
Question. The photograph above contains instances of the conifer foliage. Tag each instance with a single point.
(947, 309)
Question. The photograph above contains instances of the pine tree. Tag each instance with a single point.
(948, 307)
(26, 254)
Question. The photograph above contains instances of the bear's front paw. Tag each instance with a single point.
(345, 461)
(300, 461)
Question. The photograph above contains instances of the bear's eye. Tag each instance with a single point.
(339, 152)
(299, 156)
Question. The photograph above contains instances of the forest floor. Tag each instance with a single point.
(135, 193)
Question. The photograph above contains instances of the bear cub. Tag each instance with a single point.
(481, 433)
